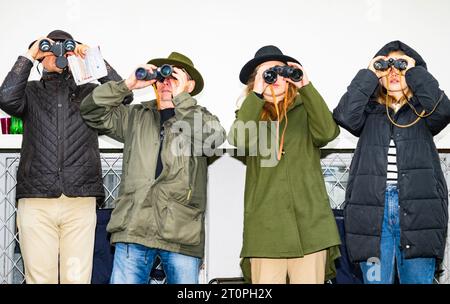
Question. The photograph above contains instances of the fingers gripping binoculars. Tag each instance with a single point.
(59, 49)
(383, 65)
(270, 76)
(160, 74)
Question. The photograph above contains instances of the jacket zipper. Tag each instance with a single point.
(60, 129)
(163, 134)
(158, 147)
(162, 139)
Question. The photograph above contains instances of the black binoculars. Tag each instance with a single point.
(160, 74)
(270, 75)
(383, 65)
(59, 49)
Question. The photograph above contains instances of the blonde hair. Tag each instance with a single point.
(272, 110)
(385, 99)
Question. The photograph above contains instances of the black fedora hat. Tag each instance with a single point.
(57, 35)
(266, 53)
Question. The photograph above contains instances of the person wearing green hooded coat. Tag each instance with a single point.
(289, 228)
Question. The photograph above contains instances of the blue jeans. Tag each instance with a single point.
(410, 271)
(133, 264)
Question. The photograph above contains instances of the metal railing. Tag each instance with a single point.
(335, 168)
(11, 264)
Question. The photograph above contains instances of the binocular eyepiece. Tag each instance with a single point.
(270, 75)
(159, 74)
(383, 65)
(59, 49)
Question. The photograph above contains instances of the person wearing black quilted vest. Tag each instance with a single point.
(59, 176)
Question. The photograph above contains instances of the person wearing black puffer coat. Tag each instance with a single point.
(396, 204)
(59, 176)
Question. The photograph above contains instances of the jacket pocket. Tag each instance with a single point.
(121, 214)
(178, 223)
(418, 184)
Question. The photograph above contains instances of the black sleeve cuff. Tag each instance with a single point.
(261, 96)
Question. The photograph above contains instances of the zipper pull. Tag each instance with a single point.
(189, 194)
(161, 134)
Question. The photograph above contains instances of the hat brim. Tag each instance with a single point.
(195, 75)
(250, 66)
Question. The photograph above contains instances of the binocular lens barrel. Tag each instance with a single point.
(383, 65)
(166, 70)
(45, 45)
(270, 76)
(401, 64)
(160, 74)
(295, 74)
(379, 65)
(69, 45)
(143, 74)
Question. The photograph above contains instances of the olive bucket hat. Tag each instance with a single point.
(182, 61)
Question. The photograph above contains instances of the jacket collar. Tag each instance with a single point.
(50, 76)
(150, 104)
(64, 77)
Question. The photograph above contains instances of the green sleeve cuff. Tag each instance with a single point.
(120, 87)
(308, 90)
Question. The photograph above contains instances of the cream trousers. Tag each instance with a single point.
(56, 238)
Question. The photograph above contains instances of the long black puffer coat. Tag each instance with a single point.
(59, 151)
(423, 196)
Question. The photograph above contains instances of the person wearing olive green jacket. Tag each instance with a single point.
(161, 206)
(289, 227)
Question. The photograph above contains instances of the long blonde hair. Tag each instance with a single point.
(271, 110)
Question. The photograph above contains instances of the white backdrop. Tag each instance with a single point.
(332, 39)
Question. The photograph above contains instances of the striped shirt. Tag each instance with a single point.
(392, 171)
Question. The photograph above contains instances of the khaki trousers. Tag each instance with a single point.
(57, 239)
(309, 269)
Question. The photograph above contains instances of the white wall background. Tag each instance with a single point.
(332, 39)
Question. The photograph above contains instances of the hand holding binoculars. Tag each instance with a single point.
(270, 75)
(59, 49)
(159, 74)
(383, 65)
